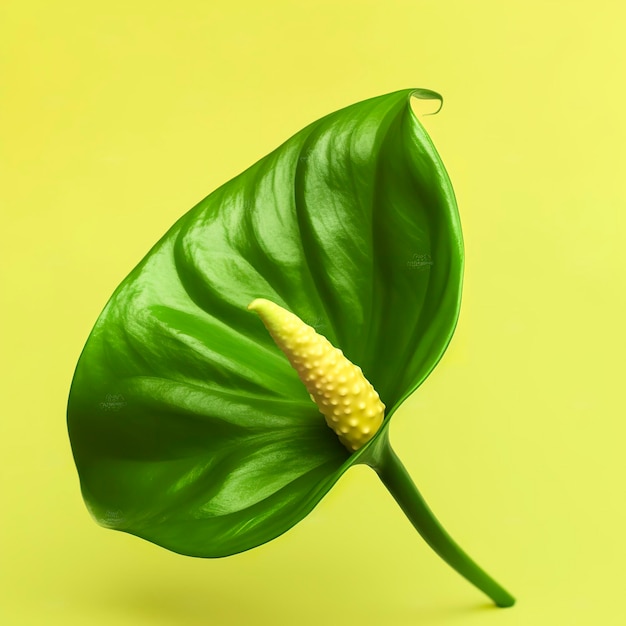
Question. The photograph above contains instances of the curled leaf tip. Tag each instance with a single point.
(428, 94)
(344, 396)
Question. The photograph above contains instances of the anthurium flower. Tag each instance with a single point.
(189, 426)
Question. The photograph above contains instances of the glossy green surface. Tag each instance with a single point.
(188, 426)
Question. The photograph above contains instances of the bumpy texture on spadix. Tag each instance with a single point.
(343, 395)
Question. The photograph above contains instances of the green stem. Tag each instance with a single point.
(397, 480)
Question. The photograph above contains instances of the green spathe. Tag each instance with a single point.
(188, 426)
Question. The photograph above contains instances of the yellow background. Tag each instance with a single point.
(117, 117)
